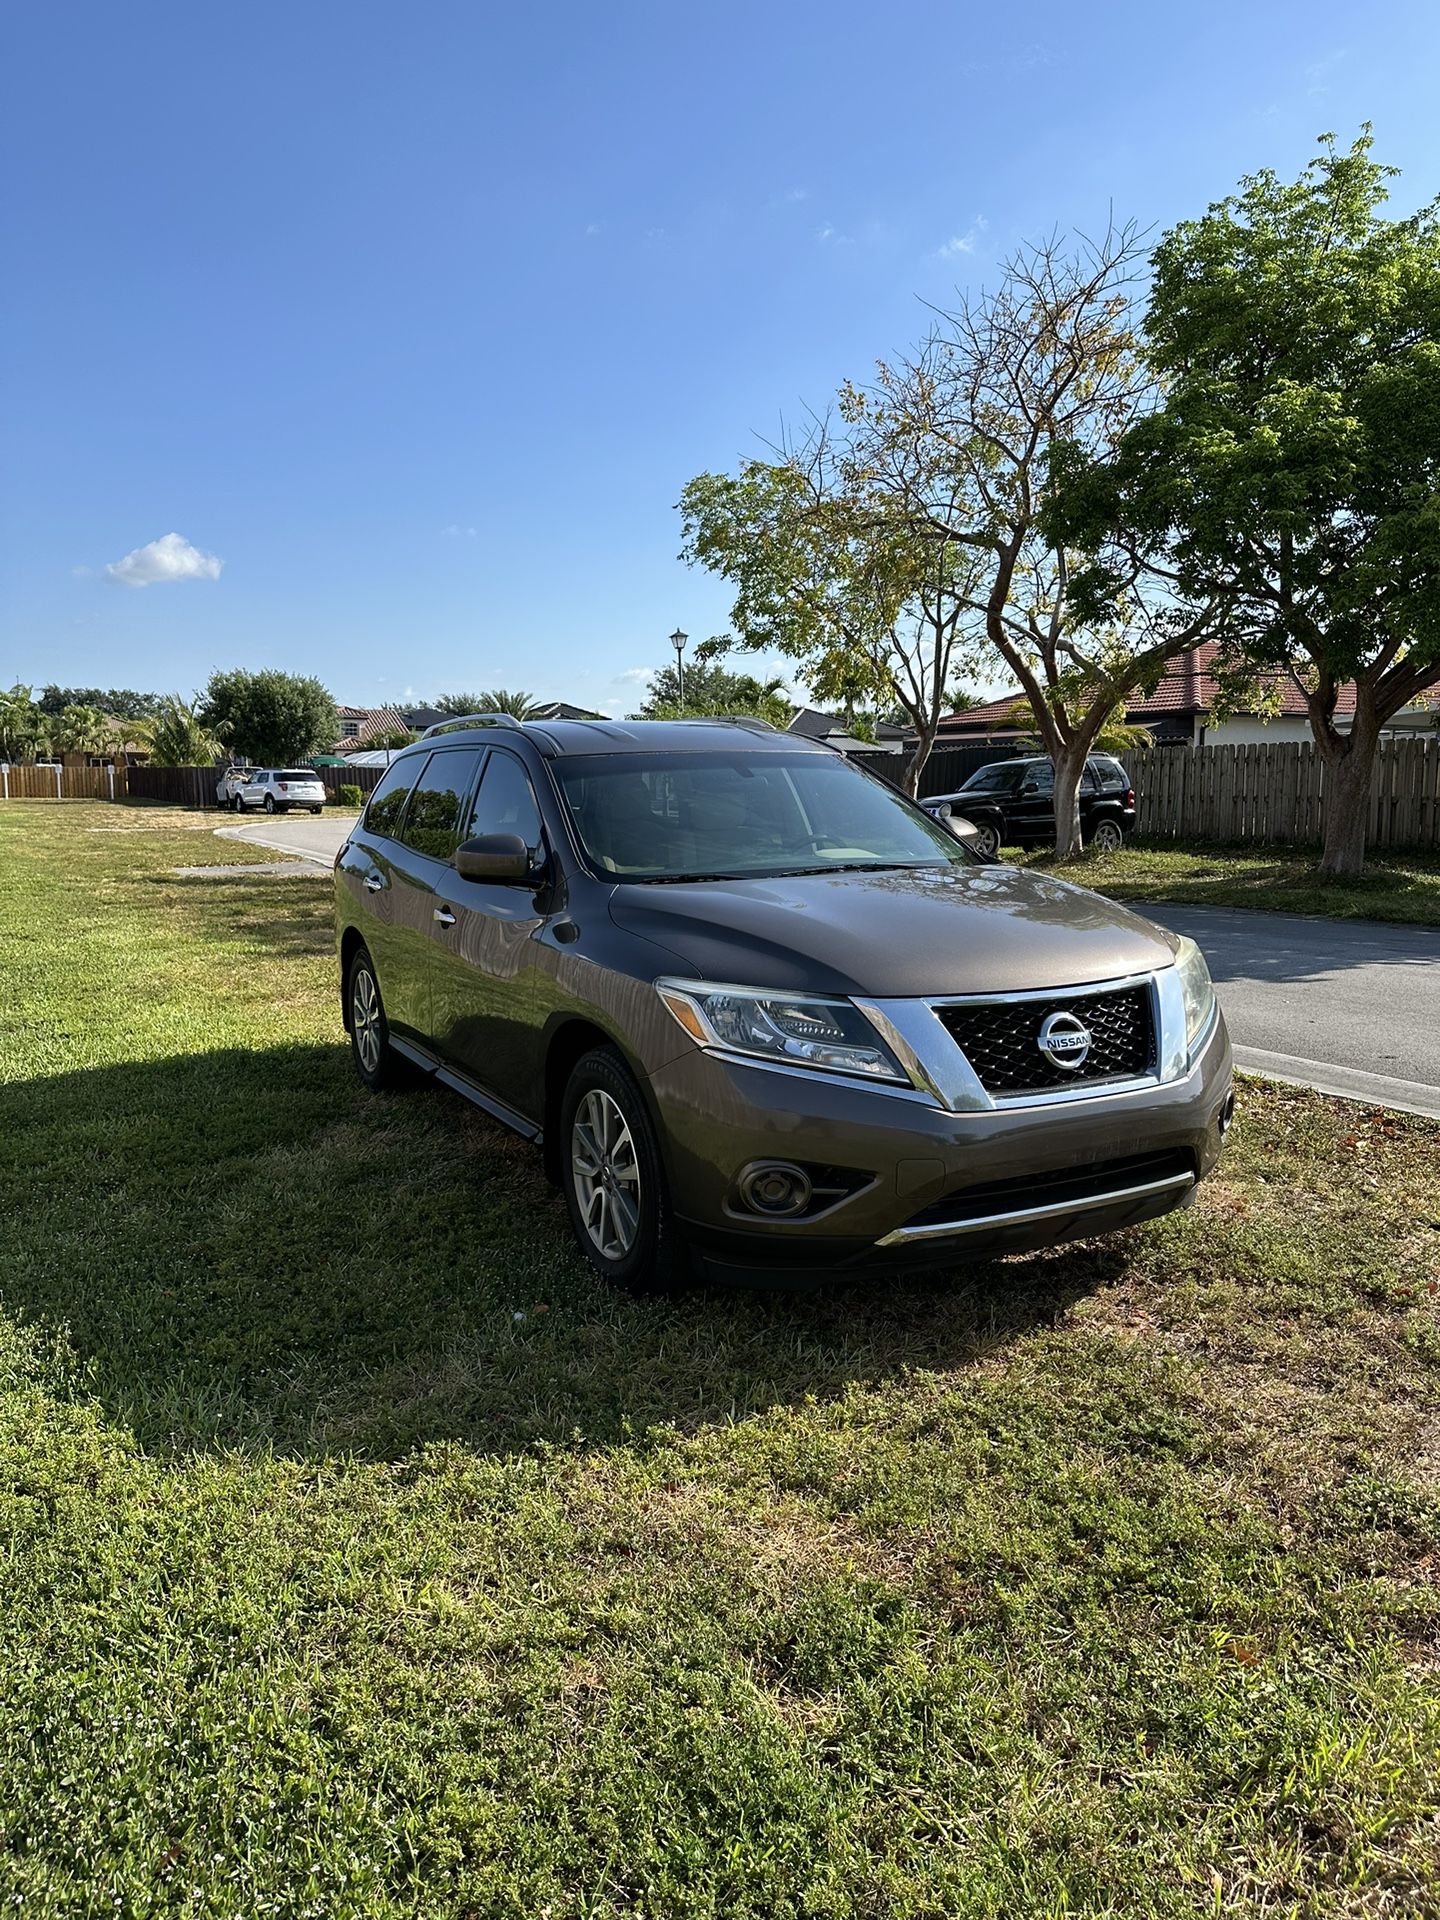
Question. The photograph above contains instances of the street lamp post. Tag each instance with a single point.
(677, 640)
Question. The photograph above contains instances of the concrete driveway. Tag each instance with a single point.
(1349, 1006)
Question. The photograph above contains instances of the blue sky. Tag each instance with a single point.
(411, 322)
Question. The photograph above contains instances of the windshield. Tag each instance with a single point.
(999, 778)
(712, 816)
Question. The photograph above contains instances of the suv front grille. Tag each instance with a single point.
(1001, 1039)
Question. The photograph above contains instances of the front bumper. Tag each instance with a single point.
(936, 1185)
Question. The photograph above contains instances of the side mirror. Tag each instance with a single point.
(501, 857)
(968, 834)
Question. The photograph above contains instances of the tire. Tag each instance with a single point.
(315, 809)
(1107, 836)
(376, 1061)
(270, 803)
(602, 1109)
(987, 839)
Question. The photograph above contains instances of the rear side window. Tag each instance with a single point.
(1112, 776)
(387, 802)
(298, 773)
(505, 802)
(432, 824)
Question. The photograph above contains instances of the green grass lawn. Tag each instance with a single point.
(1394, 886)
(361, 1555)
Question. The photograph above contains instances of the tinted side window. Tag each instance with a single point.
(1113, 778)
(387, 802)
(1039, 779)
(432, 825)
(506, 801)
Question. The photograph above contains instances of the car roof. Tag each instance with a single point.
(559, 739)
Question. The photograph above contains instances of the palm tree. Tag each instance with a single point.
(82, 729)
(176, 735)
(499, 700)
(24, 730)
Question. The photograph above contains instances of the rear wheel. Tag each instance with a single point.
(1107, 836)
(376, 1061)
(612, 1176)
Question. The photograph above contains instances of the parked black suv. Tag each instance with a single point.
(1011, 803)
(758, 1005)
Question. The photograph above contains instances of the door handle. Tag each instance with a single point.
(445, 917)
(374, 882)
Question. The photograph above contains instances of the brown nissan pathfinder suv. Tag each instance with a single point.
(759, 1007)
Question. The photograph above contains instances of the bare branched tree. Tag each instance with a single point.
(969, 441)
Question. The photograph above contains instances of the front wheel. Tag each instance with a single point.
(987, 840)
(270, 803)
(376, 1061)
(612, 1176)
(1107, 836)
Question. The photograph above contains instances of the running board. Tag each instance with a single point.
(461, 1083)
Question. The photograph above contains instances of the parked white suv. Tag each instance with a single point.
(227, 787)
(279, 792)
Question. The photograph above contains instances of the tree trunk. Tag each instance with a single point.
(1348, 772)
(915, 765)
(1069, 766)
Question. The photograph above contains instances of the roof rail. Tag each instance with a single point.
(750, 721)
(473, 720)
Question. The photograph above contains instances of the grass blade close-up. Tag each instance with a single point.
(363, 1555)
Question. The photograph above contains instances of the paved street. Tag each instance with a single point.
(1349, 1006)
(312, 837)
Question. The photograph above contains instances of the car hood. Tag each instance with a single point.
(913, 931)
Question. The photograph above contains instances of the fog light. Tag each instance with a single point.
(775, 1187)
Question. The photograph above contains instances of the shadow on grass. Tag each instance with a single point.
(246, 1251)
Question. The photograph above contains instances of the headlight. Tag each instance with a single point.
(803, 1029)
(1196, 987)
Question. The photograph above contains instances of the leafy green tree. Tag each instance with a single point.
(458, 703)
(393, 738)
(1295, 463)
(177, 736)
(712, 689)
(122, 703)
(826, 572)
(23, 727)
(271, 718)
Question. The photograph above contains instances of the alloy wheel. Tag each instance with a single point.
(365, 1018)
(606, 1173)
(1107, 837)
(987, 841)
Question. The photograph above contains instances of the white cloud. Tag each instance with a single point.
(792, 196)
(592, 229)
(829, 235)
(636, 676)
(171, 557)
(1318, 73)
(960, 243)
(454, 532)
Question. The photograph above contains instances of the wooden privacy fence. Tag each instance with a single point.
(195, 786)
(47, 782)
(1276, 792)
